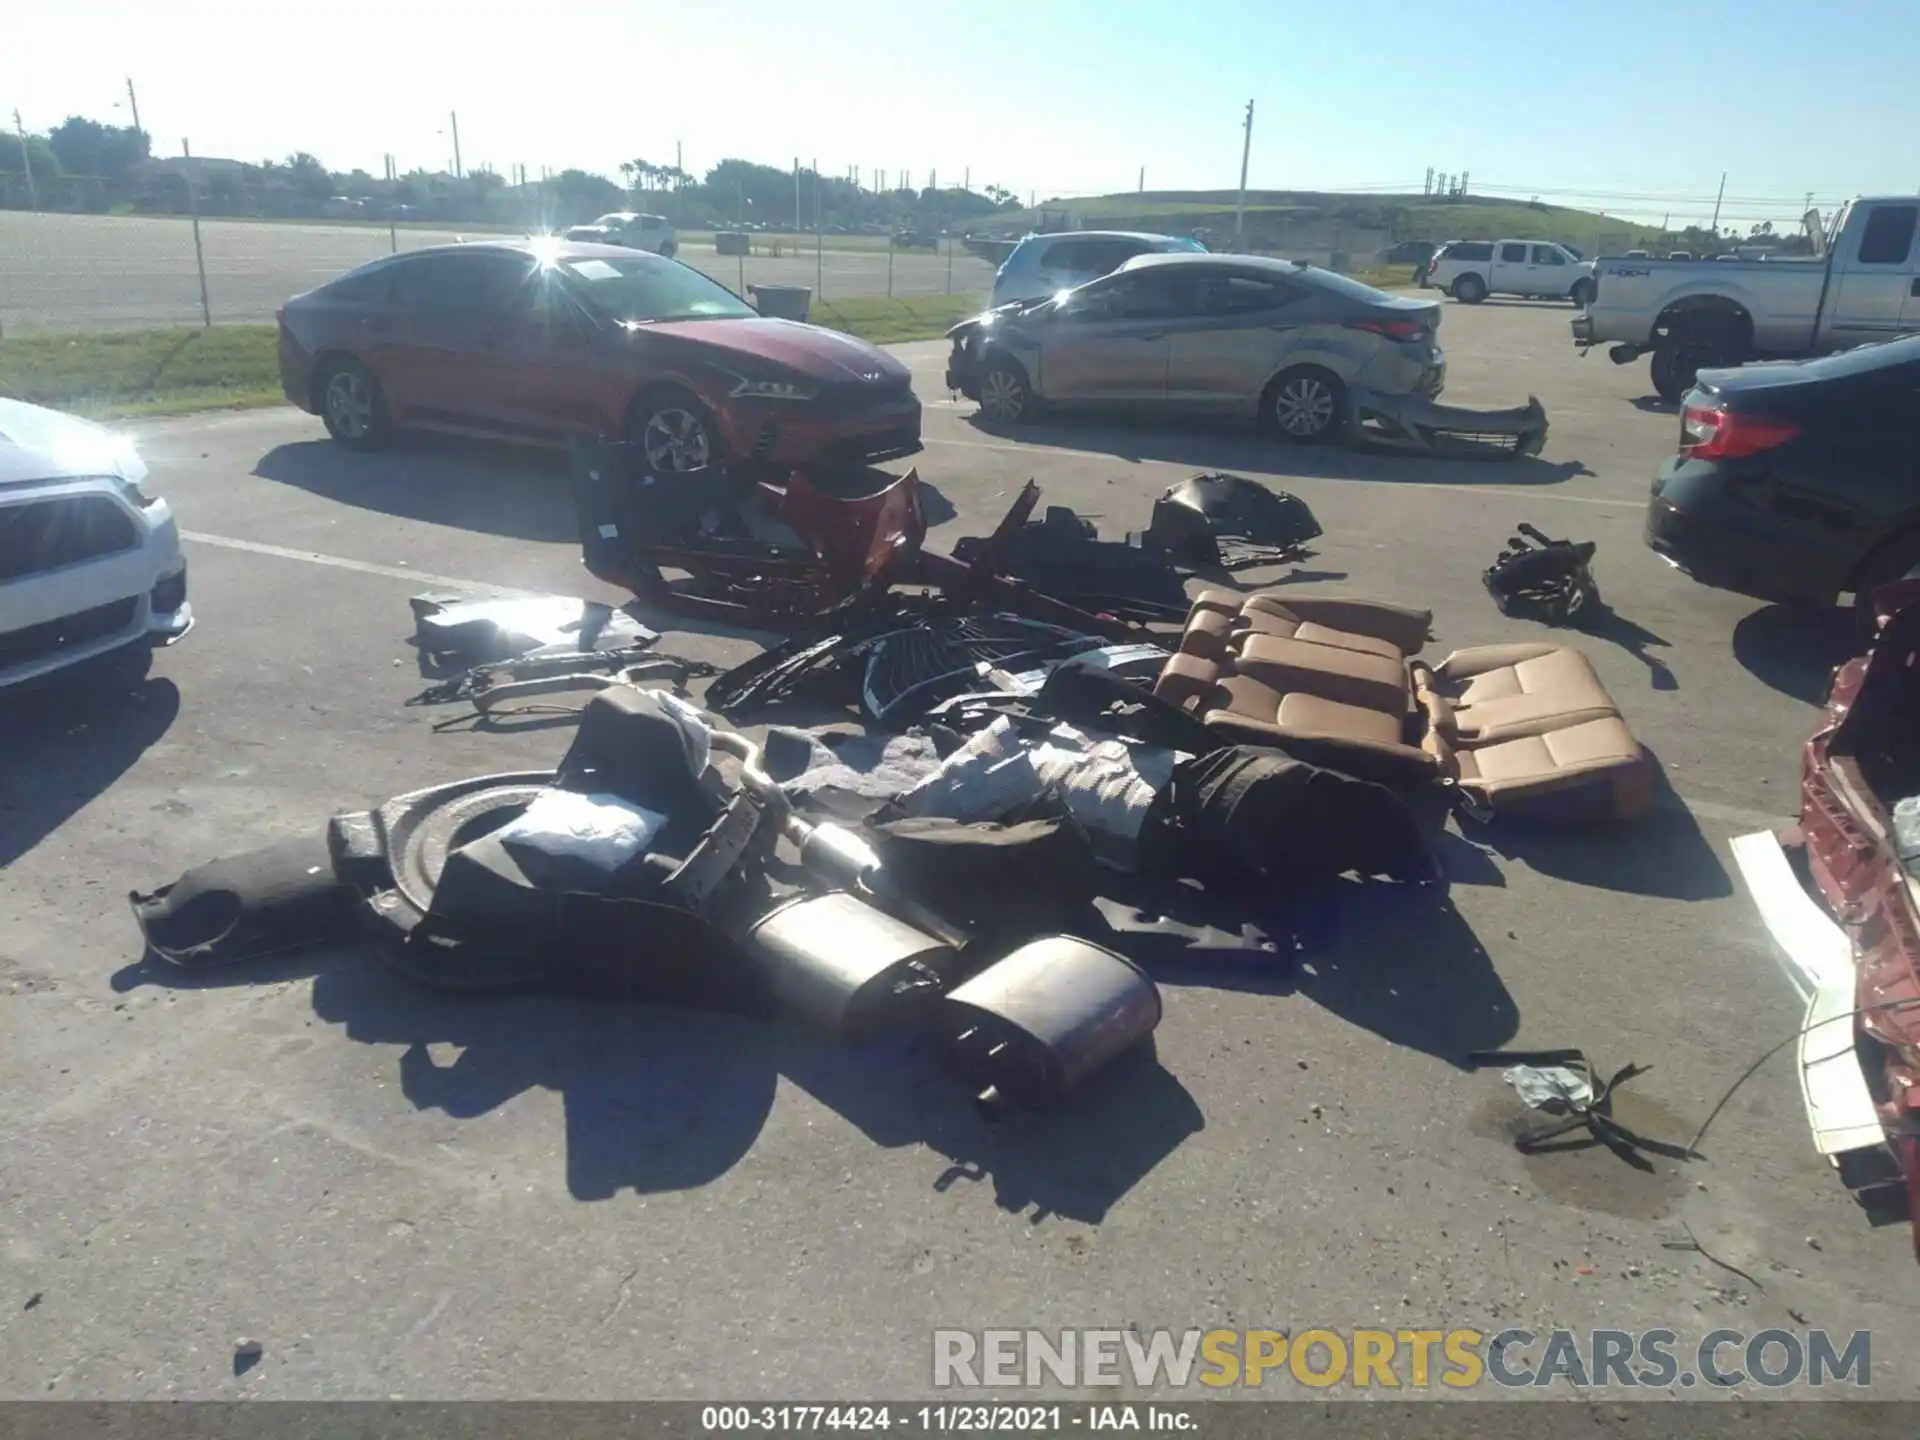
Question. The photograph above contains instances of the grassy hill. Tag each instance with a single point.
(1405, 217)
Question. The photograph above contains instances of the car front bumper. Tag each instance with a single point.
(61, 618)
(1416, 423)
(794, 435)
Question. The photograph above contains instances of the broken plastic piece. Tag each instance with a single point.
(283, 897)
(1220, 519)
(848, 968)
(1553, 1088)
(468, 632)
(1033, 1028)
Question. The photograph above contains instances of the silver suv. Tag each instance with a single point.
(1044, 265)
(636, 232)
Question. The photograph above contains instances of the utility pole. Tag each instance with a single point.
(1246, 153)
(966, 178)
(1143, 179)
(455, 118)
(199, 256)
(133, 103)
(1427, 187)
(796, 193)
(1716, 202)
(26, 161)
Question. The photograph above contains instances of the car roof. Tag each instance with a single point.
(1252, 264)
(39, 444)
(548, 244)
(1148, 235)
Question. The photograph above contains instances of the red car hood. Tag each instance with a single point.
(824, 355)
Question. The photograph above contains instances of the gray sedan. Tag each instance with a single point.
(1233, 336)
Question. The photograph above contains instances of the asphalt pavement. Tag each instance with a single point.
(404, 1194)
(113, 272)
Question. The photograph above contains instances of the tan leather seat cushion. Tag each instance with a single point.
(1594, 753)
(1349, 676)
(1550, 689)
(1311, 715)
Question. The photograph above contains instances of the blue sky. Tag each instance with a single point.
(1629, 105)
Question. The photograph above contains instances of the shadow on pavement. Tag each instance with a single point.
(490, 487)
(658, 1098)
(69, 741)
(1662, 854)
(1637, 641)
(1239, 448)
(1654, 405)
(1796, 648)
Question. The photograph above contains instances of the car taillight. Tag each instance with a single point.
(1712, 432)
(1406, 332)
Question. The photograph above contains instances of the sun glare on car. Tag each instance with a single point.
(546, 250)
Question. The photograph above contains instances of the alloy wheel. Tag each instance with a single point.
(1002, 396)
(350, 404)
(676, 442)
(1304, 407)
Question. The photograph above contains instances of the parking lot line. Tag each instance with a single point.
(1534, 490)
(363, 567)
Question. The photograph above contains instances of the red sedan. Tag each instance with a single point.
(538, 339)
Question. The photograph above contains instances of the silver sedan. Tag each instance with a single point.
(1232, 336)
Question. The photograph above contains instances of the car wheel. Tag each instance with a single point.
(1582, 293)
(674, 432)
(1896, 560)
(1470, 289)
(1676, 367)
(669, 250)
(1307, 406)
(352, 405)
(1005, 398)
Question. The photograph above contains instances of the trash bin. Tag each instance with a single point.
(782, 302)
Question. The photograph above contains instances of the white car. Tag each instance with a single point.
(90, 561)
(1471, 270)
(636, 232)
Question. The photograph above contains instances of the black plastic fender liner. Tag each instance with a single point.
(1034, 1027)
(393, 858)
(279, 898)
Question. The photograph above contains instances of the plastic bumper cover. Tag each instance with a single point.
(1419, 424)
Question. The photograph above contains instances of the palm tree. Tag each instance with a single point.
(626, 172)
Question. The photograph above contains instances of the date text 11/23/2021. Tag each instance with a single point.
(945, 1419)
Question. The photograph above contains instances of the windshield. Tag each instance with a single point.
(644, 289)
(1182, 245)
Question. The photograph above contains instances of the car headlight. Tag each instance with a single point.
(772, 390)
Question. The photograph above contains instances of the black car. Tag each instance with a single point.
(1797, 481)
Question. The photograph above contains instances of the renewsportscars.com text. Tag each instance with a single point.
(1456, 1359)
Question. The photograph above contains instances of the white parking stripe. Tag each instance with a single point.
(363, 567)
(1502, 491)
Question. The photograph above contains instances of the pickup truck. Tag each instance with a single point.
(1861, 285)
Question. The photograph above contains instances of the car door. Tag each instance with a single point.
(1238, 334)
(541, 372)
(446, 306)
(1511, 273)
(1108, 343)
(1551, 275)
(1873, 291)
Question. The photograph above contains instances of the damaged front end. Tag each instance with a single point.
(971, 337)
(1420, 424)
(1848, 921)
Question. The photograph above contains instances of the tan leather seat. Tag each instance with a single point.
(1503, 692)
(1220, 619)
(1526, 729)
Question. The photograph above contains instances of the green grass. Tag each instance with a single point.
(889, 322)
(143, 372)
(175, 372)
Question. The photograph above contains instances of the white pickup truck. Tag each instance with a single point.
(1692, 315)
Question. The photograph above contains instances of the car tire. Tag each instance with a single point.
(1006, 396)
(674, 432)
(669, 250)
(352, 405)
(1582, 293)
(1893, 561)
(1676, 366)
(1469, 289)
(1306, 405)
